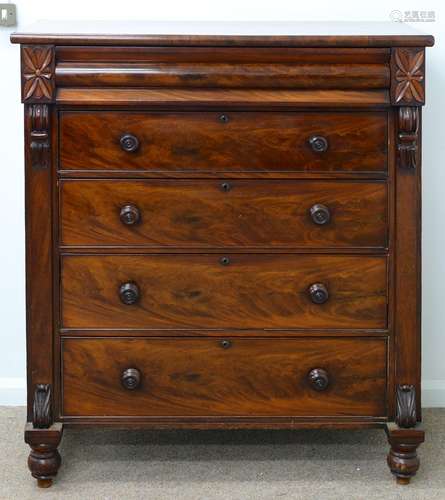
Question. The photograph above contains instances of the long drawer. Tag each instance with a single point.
(223, 141)
(230, 213)
(224, 377)
(223, 291)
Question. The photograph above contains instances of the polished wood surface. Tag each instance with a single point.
(232, 213)
(402, 457)
(203, 377)
(44, 460)
(262, 55)
(231, 34)
(39, 253)
(224, 141)
(223, 229)
(242, 99)
(223, 75)
(408, 269)
(246, 291)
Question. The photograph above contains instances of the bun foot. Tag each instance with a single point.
(44, 459)
(402, 457)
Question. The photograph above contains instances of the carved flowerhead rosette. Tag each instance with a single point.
(37, 73)
(408, 76)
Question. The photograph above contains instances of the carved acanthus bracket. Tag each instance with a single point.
(39, 140)
(42, 415)
(408, 76)
(408, 137)
(38, 78)
(406, 406)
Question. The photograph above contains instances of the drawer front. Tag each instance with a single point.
(231, 377)
(224, 142)
(224, 291)
(233, 213)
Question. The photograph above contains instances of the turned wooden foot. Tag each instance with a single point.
(44, 459)
(402, 457)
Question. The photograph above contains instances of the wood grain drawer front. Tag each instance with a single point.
(228, 377)
(224, 291)
(223, 68)
(235, 213)
(224, 141)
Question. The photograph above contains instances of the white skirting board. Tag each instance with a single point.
(13, 392)
(433, 393)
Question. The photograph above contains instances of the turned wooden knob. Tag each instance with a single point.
(130, 215)
(319, 293)
(318, 379)
(129, 293)
(129, 143)
(318, 143)
(320, 214)
(131, 378)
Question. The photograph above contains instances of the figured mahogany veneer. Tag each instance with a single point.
(74, 57)
(224, 141)
(223, 230)
(232, 213)
(210, 98)
(246, 291)
(223, 75)
(202, 378)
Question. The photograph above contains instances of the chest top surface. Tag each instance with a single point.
(292, 34)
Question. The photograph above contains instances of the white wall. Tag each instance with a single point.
(12, 289)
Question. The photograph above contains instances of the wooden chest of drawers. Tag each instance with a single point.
(223, 231)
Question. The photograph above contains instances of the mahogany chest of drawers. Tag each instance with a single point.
(223, 231)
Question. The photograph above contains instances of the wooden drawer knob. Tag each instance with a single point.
(318, 143)
(318, 379)
(130, 215)
(131, 378)
(129, 143)
(129, 293)
(319, 293)
(320, 214)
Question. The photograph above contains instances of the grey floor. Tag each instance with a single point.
(241, 465)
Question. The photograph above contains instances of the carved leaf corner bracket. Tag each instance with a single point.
(408, 137)
(408, 79)
(42, 417)
(37, 73)
(406, 406)
(39, 141)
